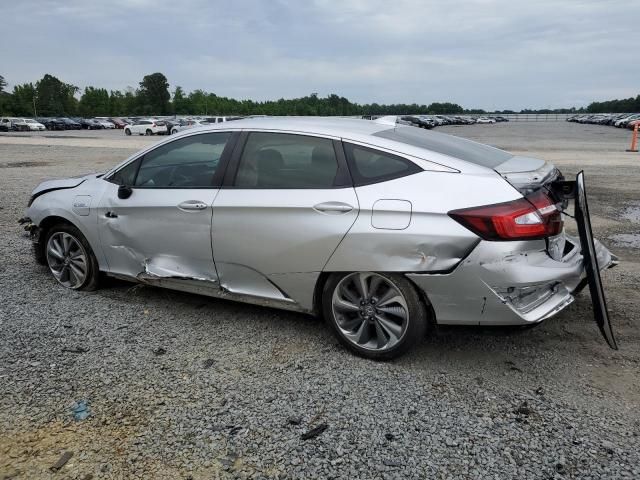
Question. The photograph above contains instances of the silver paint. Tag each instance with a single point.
(269, 247)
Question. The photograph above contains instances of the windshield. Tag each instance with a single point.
(457, 147)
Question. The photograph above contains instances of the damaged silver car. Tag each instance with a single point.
(383, 229)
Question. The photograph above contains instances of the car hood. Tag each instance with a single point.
(527, 174)
(62, 183)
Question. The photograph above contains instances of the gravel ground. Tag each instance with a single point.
(183, 386)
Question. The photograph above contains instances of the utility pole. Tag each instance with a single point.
(35, 114)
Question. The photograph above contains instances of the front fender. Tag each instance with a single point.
(77, 206)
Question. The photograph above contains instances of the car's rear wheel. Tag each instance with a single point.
(70, 258)
(148, 132)
(127, 131)
(376, 315)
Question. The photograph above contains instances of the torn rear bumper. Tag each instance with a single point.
(510, 283)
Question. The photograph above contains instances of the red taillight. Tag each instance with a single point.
(529, 218)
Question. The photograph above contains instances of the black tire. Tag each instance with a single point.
(127, 131)
(93, 271)
(148, 132)
(417, 322)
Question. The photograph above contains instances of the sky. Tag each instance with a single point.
(491, 54)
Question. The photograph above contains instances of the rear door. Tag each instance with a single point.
(286, 203)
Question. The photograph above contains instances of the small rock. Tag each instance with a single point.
(314, 432)
(62, 461)
(159, 351)
(294, 420)
(208, 363)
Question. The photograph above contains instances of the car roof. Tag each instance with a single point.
(329, 126)
(349, 129)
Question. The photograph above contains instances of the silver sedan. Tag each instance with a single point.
(383, 229)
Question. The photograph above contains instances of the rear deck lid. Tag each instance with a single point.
(600, 311)
(527, 174)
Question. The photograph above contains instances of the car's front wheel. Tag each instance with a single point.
(376, 315)
(148, 132)
(70, 258)
(127, 131)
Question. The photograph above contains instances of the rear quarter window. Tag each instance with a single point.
(369, 165)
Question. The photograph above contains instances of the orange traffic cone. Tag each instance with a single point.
(634, 140)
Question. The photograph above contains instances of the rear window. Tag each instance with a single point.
(457, 147)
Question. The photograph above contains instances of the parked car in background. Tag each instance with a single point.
(91, 124)
(185, 124)
(620, 120)
(26, 125)
(105, 123)
(70, 124)
(383, 229)
(5, 124)
(222, 119)
(485, 120)
(632, 124)
(118, 122)
(146, 126)
(51, 123)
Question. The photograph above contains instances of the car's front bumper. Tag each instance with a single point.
(510, 283)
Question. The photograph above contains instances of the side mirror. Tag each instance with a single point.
(124, 191)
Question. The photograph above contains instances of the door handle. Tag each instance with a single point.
(192, 205)
(333, 208)
(111, 215)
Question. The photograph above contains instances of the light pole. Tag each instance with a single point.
(35, 113)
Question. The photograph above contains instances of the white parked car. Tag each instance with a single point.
(485, 120)
(186, 124)
(223, 119)
(106, 123)
(146, 126)
(24, 124)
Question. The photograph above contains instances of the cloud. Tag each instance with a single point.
(480, 53)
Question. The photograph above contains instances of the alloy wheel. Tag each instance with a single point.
(370, 311)
(67, 260)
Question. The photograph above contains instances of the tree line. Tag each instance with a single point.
(51, 97)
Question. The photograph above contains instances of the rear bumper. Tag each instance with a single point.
(510, 283)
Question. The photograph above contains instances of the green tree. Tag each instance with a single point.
(94, 102)
(54, 97)
(181, 103)
(5, 97)
(154, 94)
(22, 98)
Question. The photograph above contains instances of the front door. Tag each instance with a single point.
(288, 204)
(154, 217)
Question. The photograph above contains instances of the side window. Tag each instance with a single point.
(126, 175)
(372, 166)
(280, 160)
(185, 163)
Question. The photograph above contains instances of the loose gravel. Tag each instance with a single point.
(140, 382)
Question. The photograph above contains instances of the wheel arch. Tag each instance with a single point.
(324, 277)
(45, 225)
